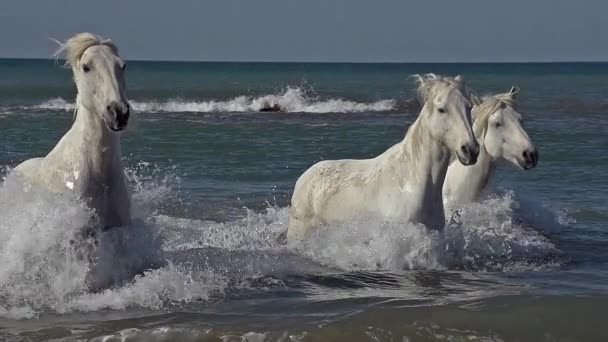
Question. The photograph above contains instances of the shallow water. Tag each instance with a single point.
(212, 179)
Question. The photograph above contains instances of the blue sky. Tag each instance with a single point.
(317, 30)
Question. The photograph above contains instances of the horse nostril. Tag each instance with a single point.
(534, 157)
(529, 156)
(465, 150)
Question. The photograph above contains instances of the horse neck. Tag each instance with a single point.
(482, 171)
(478, 176)
(97, 143)
(422, 159)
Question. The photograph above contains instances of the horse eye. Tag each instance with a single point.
(441, 110)
(497, 124)
(85, 68)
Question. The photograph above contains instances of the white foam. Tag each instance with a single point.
(56, 103)
(41, 271)
(154, 289)
(39, 266)
(47, 266)
(257, 231)
(496, 234)
(293, 100)
(487, 236)
(184, 334)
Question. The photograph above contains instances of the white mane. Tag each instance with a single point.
(429, 84)
(427, 87)
(488, 105)
(74, 47)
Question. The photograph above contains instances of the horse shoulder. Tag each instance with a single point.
(36, 171)
(30, 169)
(315, 186)
(302, 194)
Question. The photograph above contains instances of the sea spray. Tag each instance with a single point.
(162, 261)
(40, 266)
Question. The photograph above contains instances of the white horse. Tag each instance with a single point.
(498, 129)
(402, 184)
(87, 159)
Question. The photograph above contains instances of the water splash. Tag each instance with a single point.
(40, 267)
(162, 261)
(487, 236)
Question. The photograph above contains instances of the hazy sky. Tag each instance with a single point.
(316, 30)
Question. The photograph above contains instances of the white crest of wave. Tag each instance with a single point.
(293, 100)
(56, 104)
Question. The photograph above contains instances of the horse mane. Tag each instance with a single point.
(74, 48)
(488, 105)
(429, 84)
(427, 87)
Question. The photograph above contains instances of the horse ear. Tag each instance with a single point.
(459, 78)
(60, 49)
(418, 79)
(514, 90)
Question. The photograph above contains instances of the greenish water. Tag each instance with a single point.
(213, 176)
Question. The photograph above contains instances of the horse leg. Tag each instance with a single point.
(118, 205)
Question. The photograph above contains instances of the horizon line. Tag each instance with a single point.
(330, 62)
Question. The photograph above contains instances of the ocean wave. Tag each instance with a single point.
(293, 100)
(55, 104)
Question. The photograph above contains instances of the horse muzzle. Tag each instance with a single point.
(468, 153)
(528, 159)
(120, 113)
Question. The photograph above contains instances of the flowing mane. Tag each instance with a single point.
(427, 87)
(429, 84)
(487, 105)
(74, 47)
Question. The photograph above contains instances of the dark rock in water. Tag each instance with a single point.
(274, 108)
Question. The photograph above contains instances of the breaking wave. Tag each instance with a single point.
(293, 100)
